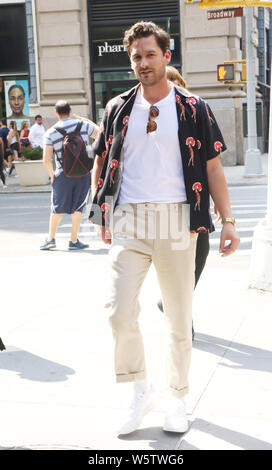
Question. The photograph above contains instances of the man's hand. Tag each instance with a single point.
(96, 127)
(228, 232)
(104, 233)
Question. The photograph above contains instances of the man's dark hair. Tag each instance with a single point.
(4, 121)
(38, 116)
(16, 86)
(143, 29)
(63, 108)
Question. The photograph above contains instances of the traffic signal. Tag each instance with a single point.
(244, 73)
(225, 72)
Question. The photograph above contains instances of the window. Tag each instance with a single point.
(13, 39)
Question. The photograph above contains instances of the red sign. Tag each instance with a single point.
(224, 13)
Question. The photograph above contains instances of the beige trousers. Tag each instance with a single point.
(145, 237)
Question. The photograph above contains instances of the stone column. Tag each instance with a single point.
(206, 43)
(62, 35)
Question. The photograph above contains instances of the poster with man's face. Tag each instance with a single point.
(17, 101)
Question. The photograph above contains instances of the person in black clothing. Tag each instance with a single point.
(4, 131)
(203, 245)
(2, 346)
(2, 174)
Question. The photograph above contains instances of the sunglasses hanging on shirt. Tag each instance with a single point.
(152, 125)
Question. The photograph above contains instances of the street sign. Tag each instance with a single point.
(224, 13)
(225, 72)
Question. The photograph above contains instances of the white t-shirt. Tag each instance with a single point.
(36, 134)
(152, 169)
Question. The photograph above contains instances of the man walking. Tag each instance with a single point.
(70, 193)
(36, 133)
(157, 153)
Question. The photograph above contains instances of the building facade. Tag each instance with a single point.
(73, 49)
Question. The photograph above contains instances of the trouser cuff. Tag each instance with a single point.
(130, 377)
(179, 393)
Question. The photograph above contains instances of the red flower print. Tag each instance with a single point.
(191, 101)
(105, 208)
(201, 229)
(197, 187)
(190, 142)
(113, 165)
(109, 142)
(100, 183)
(181, 107)
(218, 146)
(209, 116)
(125, 123)
(198, 144)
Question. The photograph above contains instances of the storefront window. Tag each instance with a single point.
(110, 84)
(110, 64)
(13, 39)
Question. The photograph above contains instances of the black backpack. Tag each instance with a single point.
(75, 161)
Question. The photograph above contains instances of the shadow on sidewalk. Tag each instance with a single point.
(235, 438)
(157, 438)
(32, 367)
(161, 440)
(242, 355)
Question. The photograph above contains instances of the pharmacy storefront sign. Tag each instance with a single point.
(107, 48)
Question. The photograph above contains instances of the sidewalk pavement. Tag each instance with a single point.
(58, 389)
(234, 176)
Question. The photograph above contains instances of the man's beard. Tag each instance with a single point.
(147, 81)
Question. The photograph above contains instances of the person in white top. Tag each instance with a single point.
(37, 132)
(140, 165)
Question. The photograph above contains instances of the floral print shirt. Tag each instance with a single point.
(200, 139)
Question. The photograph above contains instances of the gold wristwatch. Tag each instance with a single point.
(228, 219)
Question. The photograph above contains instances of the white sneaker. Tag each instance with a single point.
(142, 402)
(176, 420)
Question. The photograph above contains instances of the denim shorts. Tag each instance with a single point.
(69, 194)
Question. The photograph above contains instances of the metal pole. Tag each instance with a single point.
(253, 165)
(269, 169)
(261, 256)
